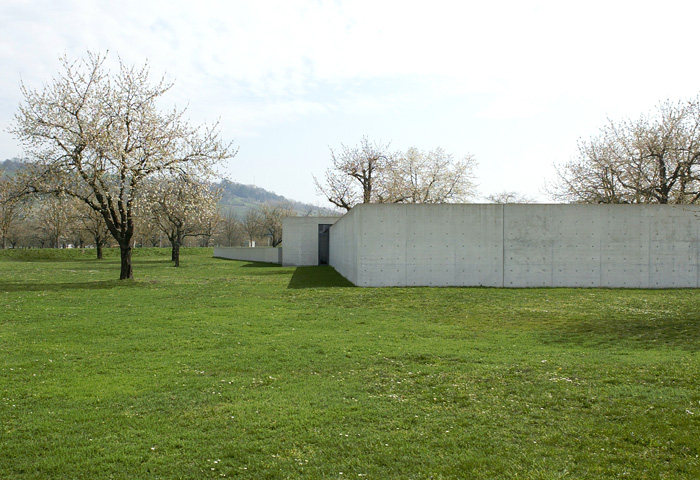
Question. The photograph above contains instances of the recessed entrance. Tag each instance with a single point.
(324, 235)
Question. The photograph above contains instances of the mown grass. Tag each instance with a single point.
(233, 369)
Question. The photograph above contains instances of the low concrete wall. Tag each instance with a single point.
(642, 246)
(251, 254)
(300, 239)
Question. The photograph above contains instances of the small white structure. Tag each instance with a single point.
(633, 246)
(300, 242)
(300, 239)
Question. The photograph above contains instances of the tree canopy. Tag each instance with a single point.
(99, 135)
(652, 159)
(371, 173)
(180, 207)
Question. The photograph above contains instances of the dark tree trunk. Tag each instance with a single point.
(176, 253)
(126, 273)
(98, 246)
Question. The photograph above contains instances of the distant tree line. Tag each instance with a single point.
(177, 214)
(259, 226)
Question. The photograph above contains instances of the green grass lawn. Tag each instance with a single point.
(233, 369)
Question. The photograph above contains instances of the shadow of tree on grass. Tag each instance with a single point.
(6, 287)
(658, 331)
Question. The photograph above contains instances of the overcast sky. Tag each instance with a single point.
(513, 83)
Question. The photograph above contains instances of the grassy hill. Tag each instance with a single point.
(239, 198)
(10, 166)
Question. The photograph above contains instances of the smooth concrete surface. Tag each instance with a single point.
(300, 239)
(634, 246)
(251, 254)
(344, 244)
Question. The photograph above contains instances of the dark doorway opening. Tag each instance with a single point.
(324, 237)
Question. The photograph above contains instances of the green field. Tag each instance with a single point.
(233, 369)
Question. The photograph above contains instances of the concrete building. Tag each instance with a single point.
(300, 237)
(633, 246)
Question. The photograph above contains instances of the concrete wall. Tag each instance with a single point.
(254, 254)
(343, 245)
(300, 239)
(645, 246)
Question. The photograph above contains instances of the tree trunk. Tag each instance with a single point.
(98, 246)
(176, 253)
(126, 272)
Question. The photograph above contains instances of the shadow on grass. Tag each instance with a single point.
(317, 277)
(29, 259)
(250, 264)
(636, 331)
(162, 261)
(6, 287)
(260, 265)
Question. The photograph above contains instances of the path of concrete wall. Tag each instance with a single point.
(300, 239)
(645, 246)
(251, 254)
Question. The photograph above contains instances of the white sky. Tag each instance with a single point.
(513, 83)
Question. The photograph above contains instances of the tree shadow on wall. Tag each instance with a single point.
(322, 276)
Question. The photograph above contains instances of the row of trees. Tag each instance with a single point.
(175, 214)
(50, 221)
(176, 209)
(259, 226)
(371, 173)
(105, 160)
